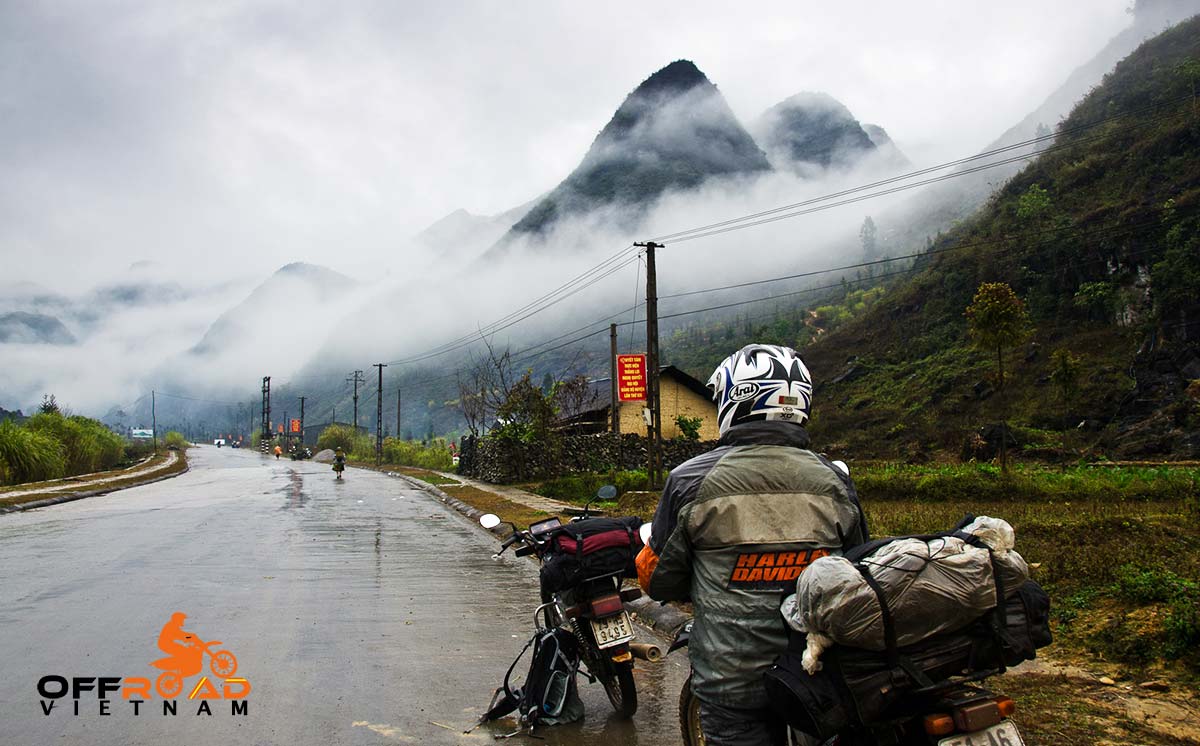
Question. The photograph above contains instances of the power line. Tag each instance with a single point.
(497, 326)
(191, 398)
(1069, 230)
(533, 351)
(893, 190)
(571, 287)
(676, 236)
(587, 277)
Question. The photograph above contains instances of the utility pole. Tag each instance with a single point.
(356, 378)
(153, 423)
(265, 432)
(379, 416)
(655, 429)
(302, 419)
(397, 413)
(612, 365)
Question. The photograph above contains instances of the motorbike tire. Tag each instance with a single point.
(689, 716)
(618, 684)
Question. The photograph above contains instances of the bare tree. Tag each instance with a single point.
(484, 385)
(574, 396)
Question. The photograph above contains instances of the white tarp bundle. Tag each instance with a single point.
(931, 587)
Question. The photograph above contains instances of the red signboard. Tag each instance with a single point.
(295, 426)
(631, 377)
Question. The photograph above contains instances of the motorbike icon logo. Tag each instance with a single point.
(186, 657)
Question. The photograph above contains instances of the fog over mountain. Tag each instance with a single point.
(337, 137)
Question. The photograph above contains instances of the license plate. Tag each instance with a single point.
(612, 630)
(1004, 734)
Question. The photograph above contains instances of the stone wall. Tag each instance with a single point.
(503, 462)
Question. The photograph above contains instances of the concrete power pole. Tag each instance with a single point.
(652, 394)
(153, 423)
(356, 378)
(302, 419)
(612, 365)
(379, 415)
(265, 433)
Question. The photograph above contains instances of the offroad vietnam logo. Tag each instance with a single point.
(186, 654)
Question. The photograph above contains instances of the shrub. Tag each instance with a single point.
(336, 436)
(435, 455)
(88, 445)
(688, 426)
(177, 440)
(30, 455)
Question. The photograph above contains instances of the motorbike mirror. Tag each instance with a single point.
(644, 532)
(607, 492)
(489, 520)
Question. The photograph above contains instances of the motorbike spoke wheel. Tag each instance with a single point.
(617, 681)
(169, 684)
(689, 716)
(223, 663)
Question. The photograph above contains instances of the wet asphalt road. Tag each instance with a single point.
(360, 612)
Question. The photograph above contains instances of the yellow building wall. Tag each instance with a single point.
(676, 400)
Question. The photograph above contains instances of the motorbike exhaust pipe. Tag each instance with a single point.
(646, 651)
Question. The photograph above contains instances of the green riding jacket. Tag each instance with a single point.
(734, 528)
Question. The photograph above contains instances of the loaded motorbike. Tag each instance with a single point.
(956, 712)
(586, 597)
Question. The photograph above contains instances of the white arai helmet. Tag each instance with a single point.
(761, 382)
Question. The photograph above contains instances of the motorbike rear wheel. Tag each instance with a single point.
(620, 688)
(689, 716)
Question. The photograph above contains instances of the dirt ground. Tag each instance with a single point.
(1066, 704)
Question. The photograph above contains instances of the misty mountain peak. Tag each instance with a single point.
(813, 128)
(672, 132)
(678, 77)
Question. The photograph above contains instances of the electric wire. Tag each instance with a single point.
(928, 170)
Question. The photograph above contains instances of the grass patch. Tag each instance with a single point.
(577, 489)
(1024, 482)
(490, 502)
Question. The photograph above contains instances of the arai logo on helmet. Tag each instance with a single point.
(743, 391)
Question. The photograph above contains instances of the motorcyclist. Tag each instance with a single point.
(736, 526)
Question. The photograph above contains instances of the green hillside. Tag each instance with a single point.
(1101, 239)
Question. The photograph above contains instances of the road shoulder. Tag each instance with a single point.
(473, 498)
(174, 464)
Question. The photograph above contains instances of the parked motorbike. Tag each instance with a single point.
(953, 713)
(593, 609)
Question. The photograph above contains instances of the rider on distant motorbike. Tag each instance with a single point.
(735, 527)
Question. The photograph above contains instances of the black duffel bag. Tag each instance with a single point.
(858, 687)
(591, 548)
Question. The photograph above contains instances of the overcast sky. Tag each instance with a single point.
(218, 135)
